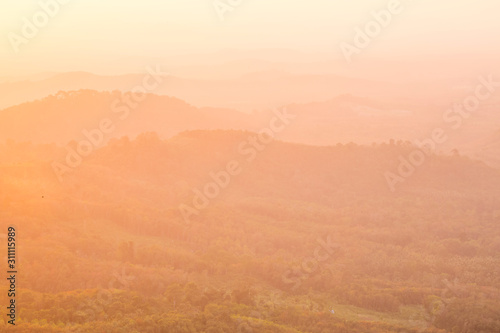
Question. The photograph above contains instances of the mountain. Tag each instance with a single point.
(62, 117)
(204, 237)
(256, 86)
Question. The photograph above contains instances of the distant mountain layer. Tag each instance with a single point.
(75, 115)
(64, 117)
(253, 89)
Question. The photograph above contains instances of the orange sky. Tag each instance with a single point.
(121, 36)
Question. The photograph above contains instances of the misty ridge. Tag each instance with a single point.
(68, 115)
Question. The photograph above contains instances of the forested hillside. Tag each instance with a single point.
(288, 238)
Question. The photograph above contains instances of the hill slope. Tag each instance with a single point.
(299, 231)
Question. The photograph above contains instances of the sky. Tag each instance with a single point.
(116, 36)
